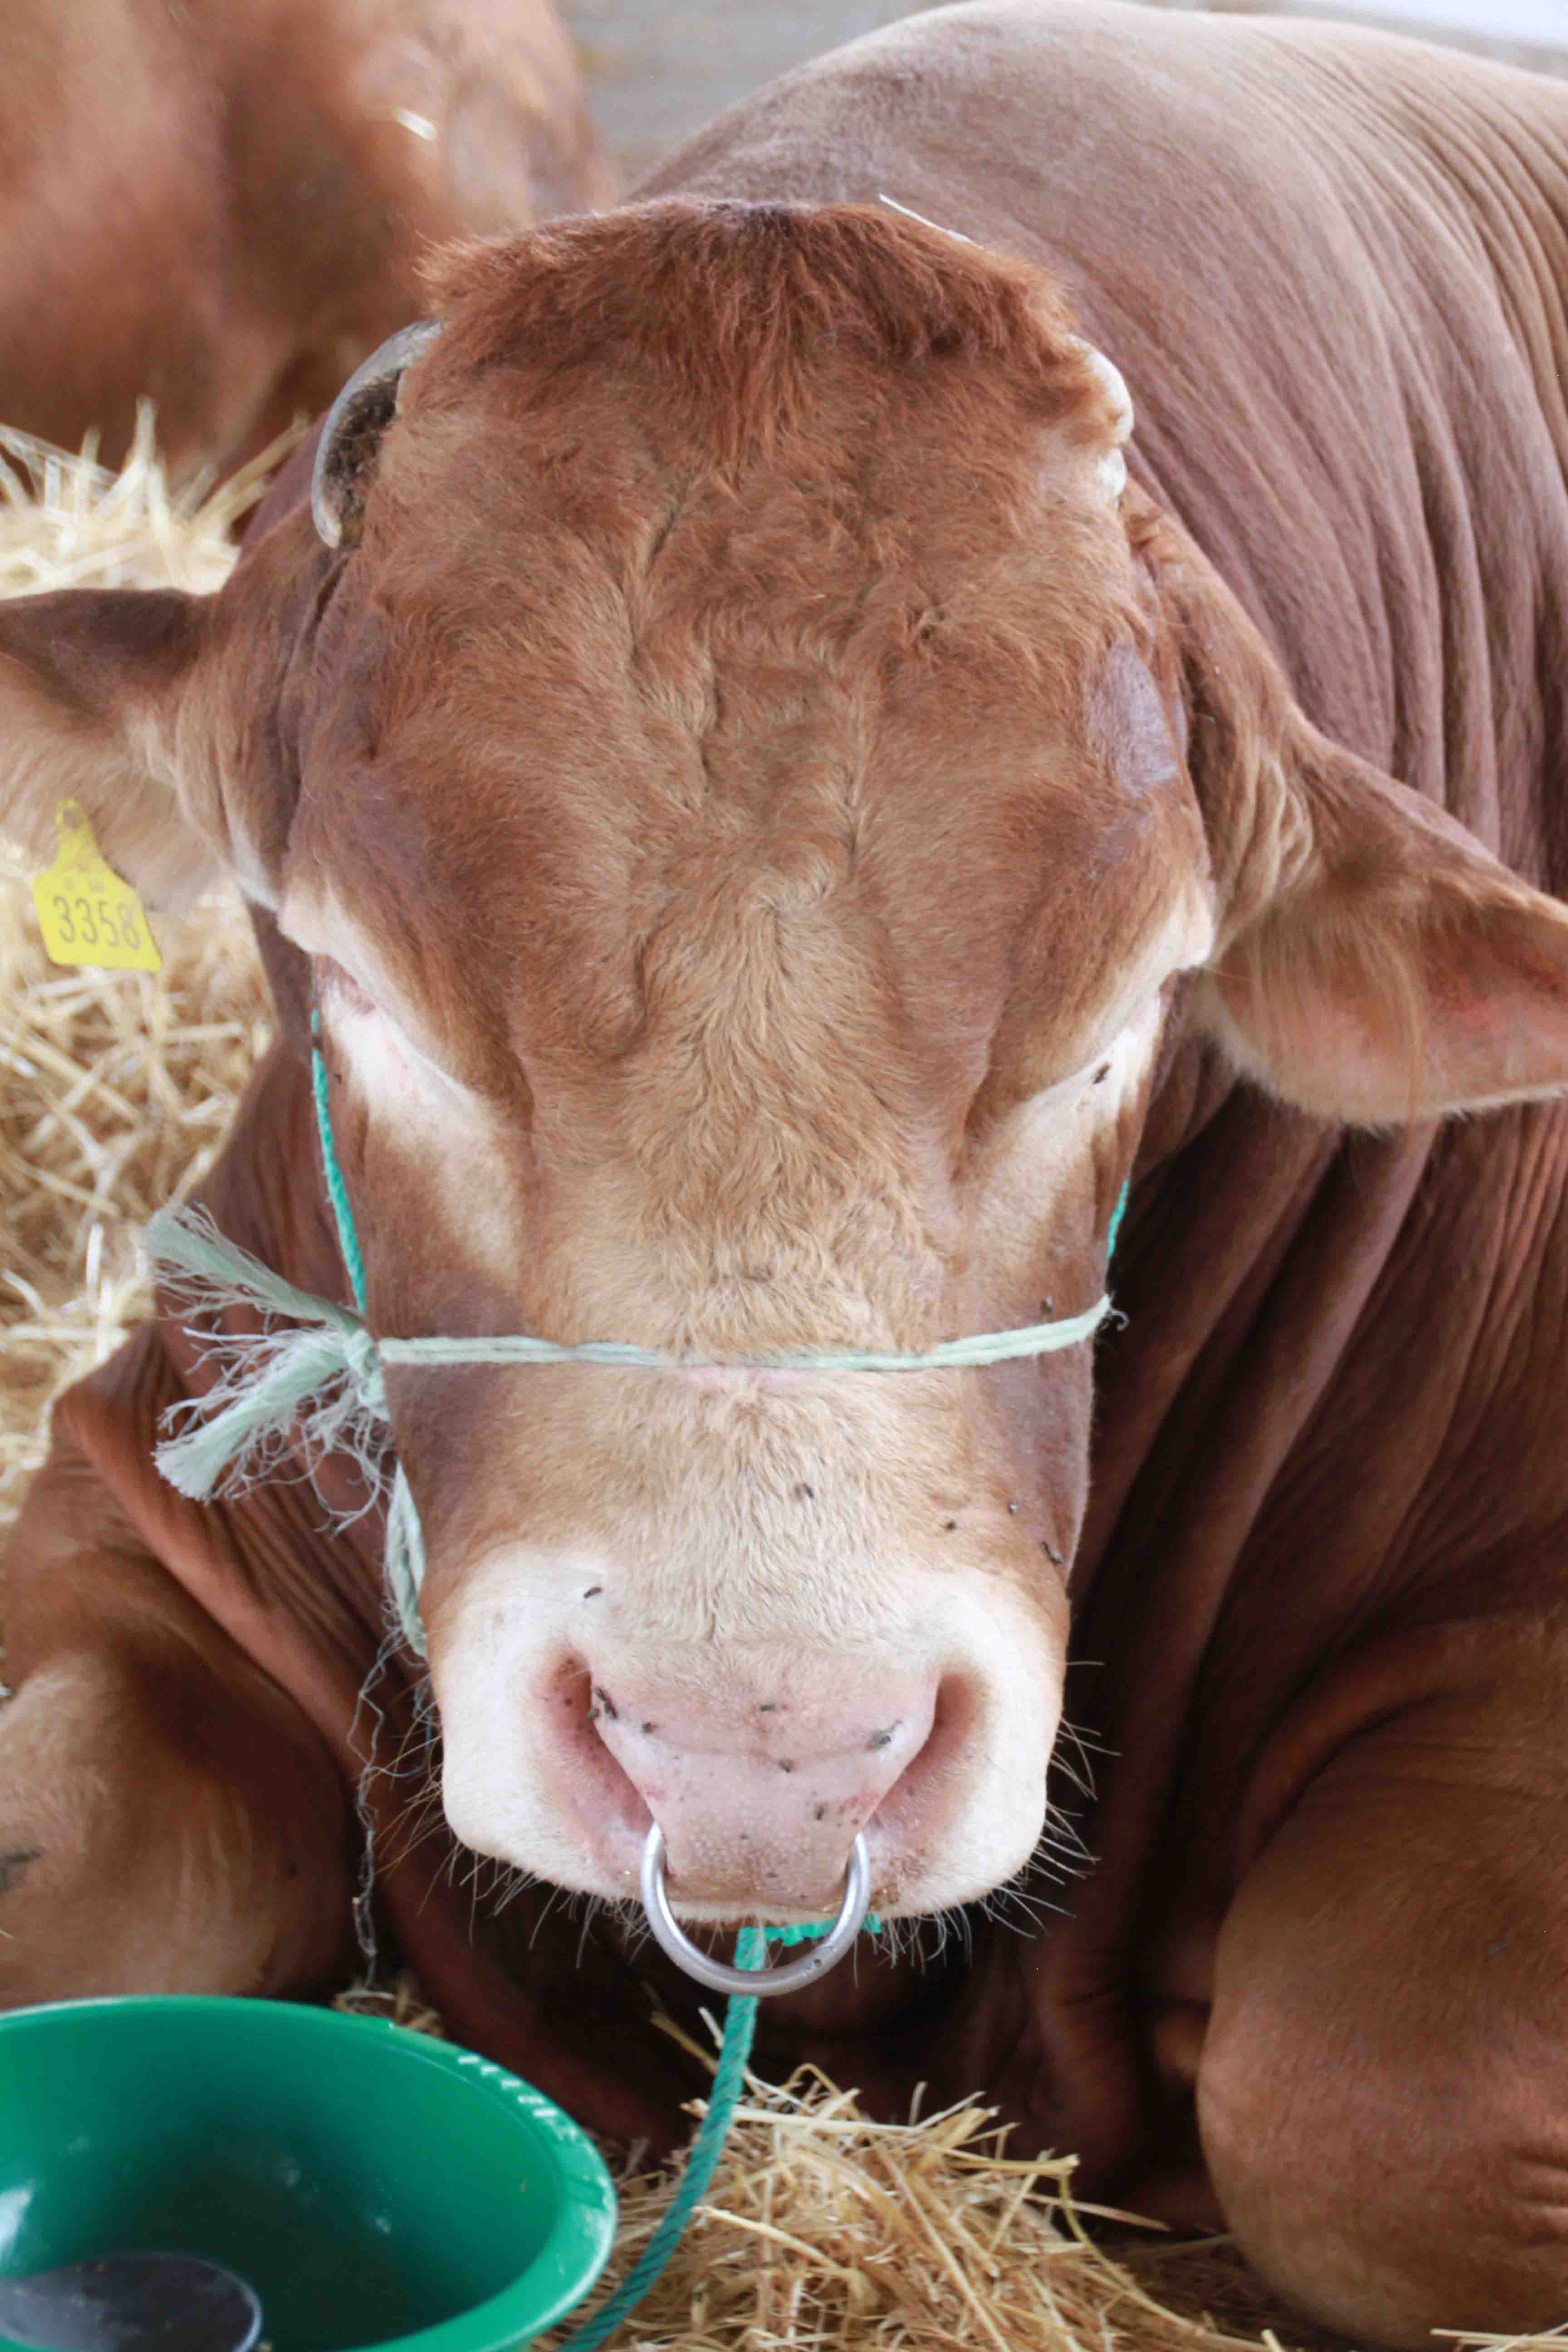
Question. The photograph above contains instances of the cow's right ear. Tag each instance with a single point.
(1373, 963)
(92, 681)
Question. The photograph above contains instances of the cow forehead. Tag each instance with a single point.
(593, 718)
(592, 884)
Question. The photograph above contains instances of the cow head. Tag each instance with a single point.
(731, 776)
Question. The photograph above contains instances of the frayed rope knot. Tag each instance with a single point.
(312, 1381)
(363, 1361)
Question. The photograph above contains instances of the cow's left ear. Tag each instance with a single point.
(1373, 963)
(164, 715)
(91, 681)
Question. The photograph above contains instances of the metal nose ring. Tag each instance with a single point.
(814, 1962)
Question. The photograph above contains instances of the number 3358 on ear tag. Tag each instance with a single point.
(88, 914)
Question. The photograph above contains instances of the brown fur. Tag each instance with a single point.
(750, 755)
(736, 311)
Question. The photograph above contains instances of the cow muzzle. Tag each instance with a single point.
(762, 1760)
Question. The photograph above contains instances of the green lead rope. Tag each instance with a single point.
(337, 1192)
(707, 2147)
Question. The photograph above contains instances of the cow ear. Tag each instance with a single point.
(1373, 963)
(91, 681)
(167, 717)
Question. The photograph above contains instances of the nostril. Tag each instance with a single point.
(597, 1773)
(932, 1759)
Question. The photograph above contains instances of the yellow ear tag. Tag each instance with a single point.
(88, 914)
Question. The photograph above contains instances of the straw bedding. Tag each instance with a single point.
(824, 2230)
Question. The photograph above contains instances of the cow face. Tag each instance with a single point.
(803, 855)
(730, 786)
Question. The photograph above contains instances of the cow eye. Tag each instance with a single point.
(335, 980)
(385, 1046)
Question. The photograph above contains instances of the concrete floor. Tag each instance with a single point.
(656, 72)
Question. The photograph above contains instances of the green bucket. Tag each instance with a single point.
(380, 2191)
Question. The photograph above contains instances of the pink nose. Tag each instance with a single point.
(760, 1801)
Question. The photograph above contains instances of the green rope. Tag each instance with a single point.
(1113, 1230)
(708, 2145)
(751, 1945)
(337, 1192)
(323, 1352)
(978, 1349)
(808, 1932)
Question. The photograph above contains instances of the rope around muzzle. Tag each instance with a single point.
(315, 1373)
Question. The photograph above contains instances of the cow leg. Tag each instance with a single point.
(168, 1821)
(1383, 2094)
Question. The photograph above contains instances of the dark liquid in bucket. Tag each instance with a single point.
(330, 2275)
(367, 2184)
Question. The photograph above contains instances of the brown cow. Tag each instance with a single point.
(223, 205)
(780, 840)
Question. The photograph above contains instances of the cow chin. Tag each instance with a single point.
(569, 1725)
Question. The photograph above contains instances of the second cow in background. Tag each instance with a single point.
(223, 205)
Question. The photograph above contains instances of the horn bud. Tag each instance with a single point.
(351, 436)
(1111, 475)
(1112, 469)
